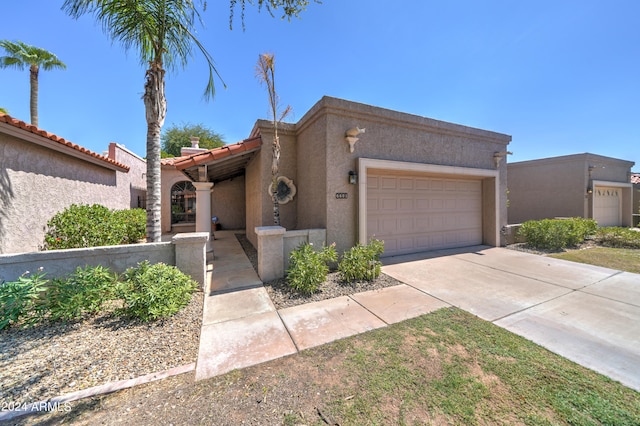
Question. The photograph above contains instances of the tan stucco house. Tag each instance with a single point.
(635, 181)
(357, 171)
(581, 185)
(42, 174)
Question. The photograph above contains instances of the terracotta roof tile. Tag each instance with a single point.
(4, 118)
(204, 157)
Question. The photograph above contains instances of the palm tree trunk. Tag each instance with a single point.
(33, 100)
(155, 109)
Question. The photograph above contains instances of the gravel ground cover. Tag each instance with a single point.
(283, 297)
(54, 359)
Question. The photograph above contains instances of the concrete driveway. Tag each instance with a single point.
(588, 314)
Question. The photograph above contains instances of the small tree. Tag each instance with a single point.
(175, 137)
(265, 71)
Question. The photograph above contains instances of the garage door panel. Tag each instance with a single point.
(607, 206)
(418, 213)
(388, 183)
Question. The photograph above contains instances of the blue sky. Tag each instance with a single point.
(561, 77)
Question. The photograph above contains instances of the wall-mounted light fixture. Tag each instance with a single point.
(589, 190)
(350, 137)
(353, 177)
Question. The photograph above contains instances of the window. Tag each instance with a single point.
(183, 203)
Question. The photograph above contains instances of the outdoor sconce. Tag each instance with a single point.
(353, 177)
(497, 156)
(350, 137)
(589, 190)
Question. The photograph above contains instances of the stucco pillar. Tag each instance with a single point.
(270, 252)
(191, 256)
(203, 208)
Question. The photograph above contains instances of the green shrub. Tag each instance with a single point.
(134, 223)
(362, 263)
(154, 291)
(618, 237)
(93, 225)
(556, 234)
(308, 268)
(20, 300)
(82, 292)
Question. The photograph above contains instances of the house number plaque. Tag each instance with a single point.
(341, 195)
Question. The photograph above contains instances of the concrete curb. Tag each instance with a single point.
(59, 403)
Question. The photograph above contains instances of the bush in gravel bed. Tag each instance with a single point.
(82, 292)
(156, 291)
(362, 262)
(618, 237)
(20, 300)
(556, 234)
(308, 268)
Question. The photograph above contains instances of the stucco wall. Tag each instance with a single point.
(636, 204)
(38, 182)
(134, 183)
(557, 187)
(390, 135)
(169, 177)
(228, 203)
(258, 175)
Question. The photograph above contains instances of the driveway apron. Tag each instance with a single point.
(588, 314)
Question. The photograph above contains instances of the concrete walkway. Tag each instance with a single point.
(590, 315)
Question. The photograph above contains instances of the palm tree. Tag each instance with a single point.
(162, 31)
(265, 71)
(20, 55)
(4, 110)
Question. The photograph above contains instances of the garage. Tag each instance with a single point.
(417, 212)
(607, 206)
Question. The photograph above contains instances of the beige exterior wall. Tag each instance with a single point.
(228, 203)
(390, 135)
(558, 186)
(258, 174)
(324, 161)
(134, 183)
(169, 176)
(636, 204)
(37, 182)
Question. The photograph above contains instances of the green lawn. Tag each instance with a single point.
(614, 258)
(452, 367)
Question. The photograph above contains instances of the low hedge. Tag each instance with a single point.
(556, 234)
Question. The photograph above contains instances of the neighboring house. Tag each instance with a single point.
(41, 174)
(581, 185)
(635, 181)
(418, 184)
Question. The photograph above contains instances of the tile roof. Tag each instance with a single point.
(224, 163)
(205, 157)
(4, 118)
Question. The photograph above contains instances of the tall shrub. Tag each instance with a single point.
(83, 225)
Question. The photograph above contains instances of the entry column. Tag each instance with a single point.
(203, 208)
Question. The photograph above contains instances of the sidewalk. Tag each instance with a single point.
(241, 326)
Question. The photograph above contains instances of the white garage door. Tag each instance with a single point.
(607, 206)
(415, 213)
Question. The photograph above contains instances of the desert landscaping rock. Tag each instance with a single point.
(49, 360)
